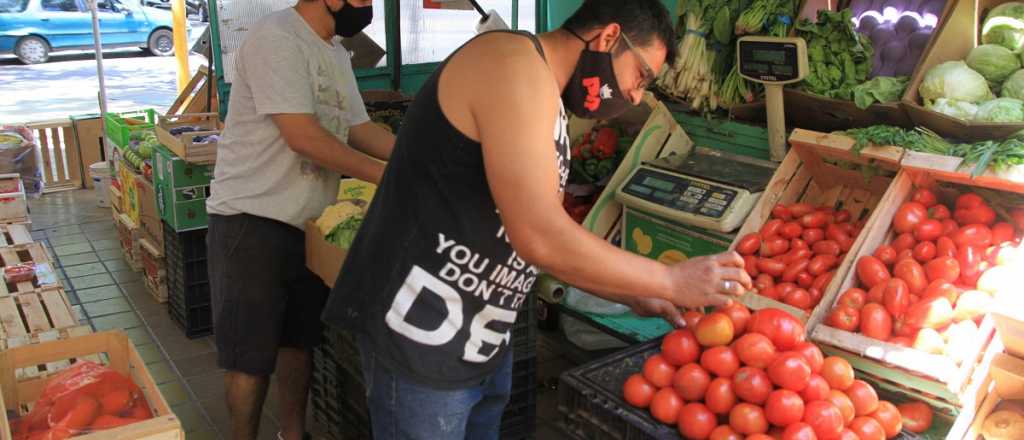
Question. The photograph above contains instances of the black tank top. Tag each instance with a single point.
(431, 279)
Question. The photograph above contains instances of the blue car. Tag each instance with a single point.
(32, 29)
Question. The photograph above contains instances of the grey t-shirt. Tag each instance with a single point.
(282, 67)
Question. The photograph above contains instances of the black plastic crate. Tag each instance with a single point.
(590, 399)
(186, 246)
(196, 321)
(519, 421)
(188, 281)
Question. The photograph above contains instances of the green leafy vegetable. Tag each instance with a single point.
(1014, 86)
(994, 62)
(840, 57)
(954, 108)
(1004, 26)
(954, 80)
(880, 89)
(1001, 110)
(345, 232)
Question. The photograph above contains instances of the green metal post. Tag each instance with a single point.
(515, 15)
(393, 37)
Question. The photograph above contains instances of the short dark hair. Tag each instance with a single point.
(642, 21)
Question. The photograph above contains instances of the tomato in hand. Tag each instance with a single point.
(853, 297)
(748, 419)
(817, 389)
(928, 230)
(721, 361)
(680, 347)
(791, 230)
(666, 405)
(790, 371)
(863, 396)
(940, 212)
(944, 247)
(824, 418)
(1002, 232)
(691, 318)
(917, 416)
(845, 405)
(781, 212)
(813, 236)
(867, 428)
(871, 271)
(749, 244)
(886, 254)
(638, 391)
(904, 241)
(784, 330)
(908, 216)
(755, 350)
(696, 421)
(715, 329)
(889, 417)
(720, 397)
(691, 382)
(844, 318)
(751, 385)
(925, 197)
(659, 371)
(784, 408)
(799, 431)
(725, 432)
(973, 235)
(875, 322)
(925, 251)
(946, 269)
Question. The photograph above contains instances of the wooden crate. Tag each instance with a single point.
(931, 373)
(805, 176)
(1006, 382)
(32, 254)
(128, 234)
(41, 315)
(118, 352)
(15, 234)
(182, 145)
(37, 338)
(154, 269)
(13, 204)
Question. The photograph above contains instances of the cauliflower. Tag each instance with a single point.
(337, 214)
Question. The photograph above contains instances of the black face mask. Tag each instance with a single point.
(593, 91)
(350, 20)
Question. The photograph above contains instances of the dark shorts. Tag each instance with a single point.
(264, 297)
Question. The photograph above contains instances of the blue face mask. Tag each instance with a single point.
(350, 20)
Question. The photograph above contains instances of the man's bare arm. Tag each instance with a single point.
(305, 136)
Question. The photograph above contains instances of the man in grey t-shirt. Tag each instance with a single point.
(296, 122)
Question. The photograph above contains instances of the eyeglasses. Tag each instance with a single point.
(648, 72)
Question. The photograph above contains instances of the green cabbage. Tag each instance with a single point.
(1004, 26)
(954, 80)
(994, 62)
(954, 108)
(345, 232)
(1001, 110)
(1013, 87)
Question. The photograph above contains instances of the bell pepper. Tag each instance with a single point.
(606, 143)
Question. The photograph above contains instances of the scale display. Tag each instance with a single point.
(680, 194)
(769, 61)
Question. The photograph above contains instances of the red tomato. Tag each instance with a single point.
(886, 254)
(944, 247)
(794, 268)
(680, 347)
(889, 417)
(906, 254)
(720, 397)
(739, 314)
(936, 312)
(784, 330)
(900, 326)
(821, 264)
(904, 241)
(790, 371)
(969, 200)
(871, 271)
(844, 318)
(973, 235)
(781, 211)
(638, 391)
(659, 371)
(771, 267)
(853, 297)
(845, 244)
(798, 243)
(750, 265)
(901, 341)
(945, 269)
(950, 227)
(826, 247)
(896, 297)
(928, 230)
(801, 209)
(692, 317)
(1002, 232)
(714, 330)
(721, 361)
(696, 421)
(982, 215)
(969, 259)
(843, 402)
(917, 416)
(691, 382)
(791, 230)
(784, 288)
(877, 294)
(875, 322)
(846, 434)
(842, 216)
(925, 197)
(666, 405)
(813, 235)
(824, 418)
(941, 289)
(799, 431)
(771, 247)
(797, 255)
(814, 220)
(784, 407)
(817, 389)
(908, 216)
(755, 350)
(865, 400)
(798, 298)
(749, 244)
(763, 282)
(724, 432)
(806, 280)
(924, 252)
(771, 229)
(913, 274)
(836, 233)
(939, 212)
(116, 401)
(751, 384)
(812, 354)
(822, 281)
(748, 419)
(867, 428)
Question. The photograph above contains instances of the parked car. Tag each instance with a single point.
(32, 29)
(193, 8)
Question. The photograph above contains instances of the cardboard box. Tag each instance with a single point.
(13, 204)
(149, 214)
(957, 35)
(181, 190)
(323, 258)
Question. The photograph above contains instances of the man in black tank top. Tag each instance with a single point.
(469, 211)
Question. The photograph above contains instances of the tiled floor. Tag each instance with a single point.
(108, 295)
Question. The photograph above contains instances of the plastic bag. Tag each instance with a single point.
(586, 302)
(21, 159)
(586, 336)
(84, 398)
(19, 273)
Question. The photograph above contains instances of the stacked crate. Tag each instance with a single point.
(188, 283)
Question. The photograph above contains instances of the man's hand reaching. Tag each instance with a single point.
(713, 280)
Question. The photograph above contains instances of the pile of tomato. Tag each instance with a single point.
(930, 287)
(794, 256)
(737, 375)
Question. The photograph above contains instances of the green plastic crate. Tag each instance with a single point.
(725, 135)
(118, 131)
(181, 190)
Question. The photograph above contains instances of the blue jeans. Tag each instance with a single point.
(401, 409)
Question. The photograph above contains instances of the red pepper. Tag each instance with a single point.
(606, 143)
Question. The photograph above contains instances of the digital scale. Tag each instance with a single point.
(681, 206)
(774, 62)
